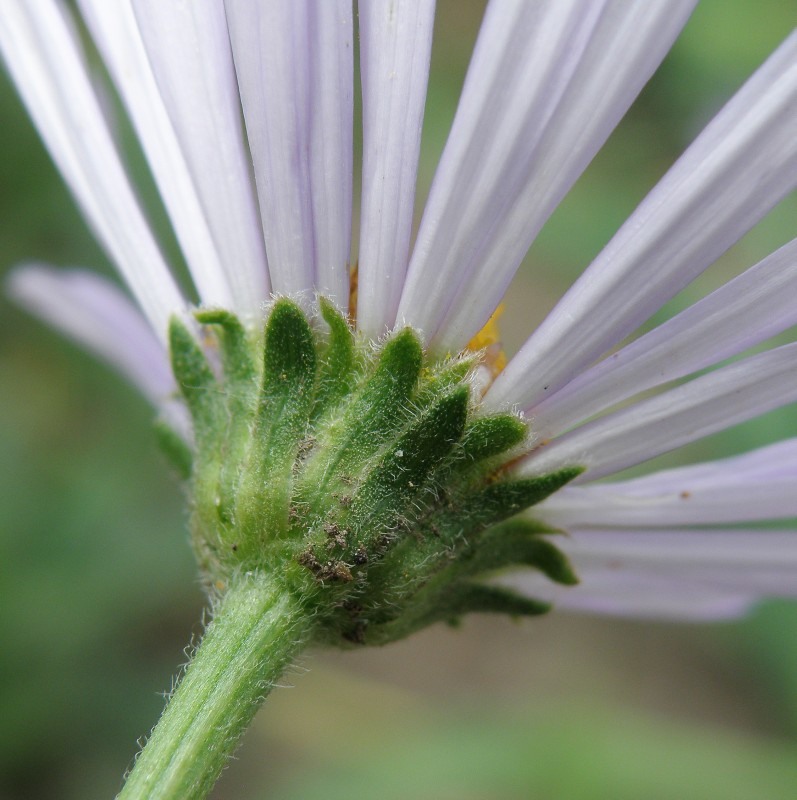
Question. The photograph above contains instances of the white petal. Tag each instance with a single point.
(294, 66)
(637, 595)
(680, 574)
(759, 485)
(395, 47)
(749, 309)
(703, 406)
(189, 52)
(738, 168)
(97, 315)
(116, 33)
(547, 83)
(41, 52)
(763, 562)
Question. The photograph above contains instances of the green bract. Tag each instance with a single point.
(363, 478)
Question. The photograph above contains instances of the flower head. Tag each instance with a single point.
(220, 91)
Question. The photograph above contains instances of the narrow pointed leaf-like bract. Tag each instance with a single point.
(197, 383)
(174, 448)
(404, 470)
(514, 543)
(283, 411)
(370, 418)
(491, 436)
(337, 363)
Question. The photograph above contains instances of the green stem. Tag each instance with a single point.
(257, 629)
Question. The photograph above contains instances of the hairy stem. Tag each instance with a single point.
(257, 629)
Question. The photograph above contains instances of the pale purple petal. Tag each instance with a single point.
(762, 562)
(294, 65)
(749, 309)
(395, 48)
(758, 485)
(189, 49)
(636, 595)
(547, 83)
(41, 52)
(115, 31)
(703, 406)
(676, 574)
(737, 170)
(97, 315)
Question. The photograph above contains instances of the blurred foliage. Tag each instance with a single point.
(97, 590)
(552, 754)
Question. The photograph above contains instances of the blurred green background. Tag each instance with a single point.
(98, 595)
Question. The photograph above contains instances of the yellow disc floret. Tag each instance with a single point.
(488, 340)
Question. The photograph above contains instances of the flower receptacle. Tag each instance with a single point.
(364, 478)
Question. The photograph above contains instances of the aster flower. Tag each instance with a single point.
(216, 91)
